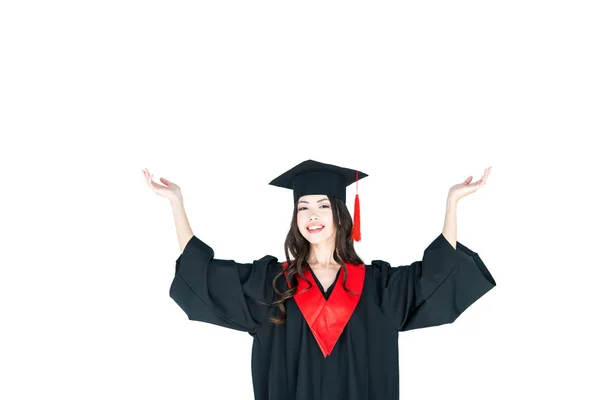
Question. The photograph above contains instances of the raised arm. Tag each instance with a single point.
(449, 230)
(456, 193)
(172, 192)
(182, 225)
(439, 288)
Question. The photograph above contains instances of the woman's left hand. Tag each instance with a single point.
(465, 188)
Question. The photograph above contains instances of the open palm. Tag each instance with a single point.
(465, 188)
(169, 190)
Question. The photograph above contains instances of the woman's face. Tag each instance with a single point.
(315, 210)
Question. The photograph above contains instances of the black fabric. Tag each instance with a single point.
(287, 362)
(327, 293)
(313, 177)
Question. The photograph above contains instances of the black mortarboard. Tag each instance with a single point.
(313, 177)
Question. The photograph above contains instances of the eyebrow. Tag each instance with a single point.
(302, 201)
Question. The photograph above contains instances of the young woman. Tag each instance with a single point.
(325, 325)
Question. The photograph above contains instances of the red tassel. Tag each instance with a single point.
(356, 225)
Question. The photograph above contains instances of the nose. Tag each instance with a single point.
(313, 218)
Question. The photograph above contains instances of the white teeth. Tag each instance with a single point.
(312, 228)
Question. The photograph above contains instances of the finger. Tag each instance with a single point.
(158, 185)
(155, 187)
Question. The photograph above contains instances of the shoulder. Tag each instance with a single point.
(378, 267)
(384, 273)
(269, 262)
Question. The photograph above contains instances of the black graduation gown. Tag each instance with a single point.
(287, 363)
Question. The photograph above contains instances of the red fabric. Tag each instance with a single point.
(327, 318)
(356, 225)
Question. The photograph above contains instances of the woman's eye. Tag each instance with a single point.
(322, 205)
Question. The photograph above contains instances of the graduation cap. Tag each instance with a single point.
(313, 177)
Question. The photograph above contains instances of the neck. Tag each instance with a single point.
(321, 255)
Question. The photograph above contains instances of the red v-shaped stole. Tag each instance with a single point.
(327, 318)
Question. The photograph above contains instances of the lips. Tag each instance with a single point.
(315, 230)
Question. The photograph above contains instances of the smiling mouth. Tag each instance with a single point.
(316, 230)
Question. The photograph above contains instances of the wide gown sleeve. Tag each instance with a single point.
(222, 292)
(434, 291)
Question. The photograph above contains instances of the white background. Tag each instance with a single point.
(221, 98)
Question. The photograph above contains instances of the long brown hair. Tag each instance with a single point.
(298, 248)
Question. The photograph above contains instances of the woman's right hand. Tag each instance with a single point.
(169, 190)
